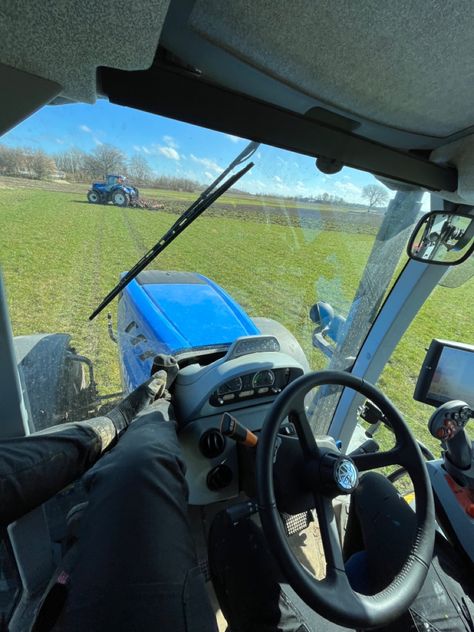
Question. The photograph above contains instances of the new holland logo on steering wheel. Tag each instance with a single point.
(346, 475)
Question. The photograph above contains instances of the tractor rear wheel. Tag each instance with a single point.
(120, 198)
(94, 197)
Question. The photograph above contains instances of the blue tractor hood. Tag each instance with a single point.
(171, 313)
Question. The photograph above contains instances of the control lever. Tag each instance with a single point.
(233, 429)
(447, 424)
(372, 415)
(241, 511)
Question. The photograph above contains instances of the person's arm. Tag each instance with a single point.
(34, 468)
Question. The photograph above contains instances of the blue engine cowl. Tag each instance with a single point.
(171, 313)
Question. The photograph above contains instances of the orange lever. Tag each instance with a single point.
(233, 429)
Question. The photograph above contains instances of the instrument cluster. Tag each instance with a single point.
(263, 383)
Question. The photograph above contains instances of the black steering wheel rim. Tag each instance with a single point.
(333, 597)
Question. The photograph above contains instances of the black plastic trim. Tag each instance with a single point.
(188, 98)
(22, 95)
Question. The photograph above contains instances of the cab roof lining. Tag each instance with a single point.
(405, 64)
(186, 97)
(65, 42)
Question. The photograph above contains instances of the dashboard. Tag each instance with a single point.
(245, 382)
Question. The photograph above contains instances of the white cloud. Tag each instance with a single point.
(254, 186)
(141, 148)
(234, 139)
(208, 163)
(170, 142)
(208, 175)
(349, 187)
(87, 130)
(277, 179)
(169, 152)
(349, 191)
(60, 141)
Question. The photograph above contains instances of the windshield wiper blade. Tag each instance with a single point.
(242, 157)
(204, 201)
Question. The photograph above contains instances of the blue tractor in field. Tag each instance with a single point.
(114, 190)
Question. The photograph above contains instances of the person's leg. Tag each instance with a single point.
(137, 569)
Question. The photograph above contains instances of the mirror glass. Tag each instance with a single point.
(442, 238)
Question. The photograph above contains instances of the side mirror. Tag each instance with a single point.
(442, 238)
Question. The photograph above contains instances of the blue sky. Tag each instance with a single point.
(178, 149)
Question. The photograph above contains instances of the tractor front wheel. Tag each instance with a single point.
(120, 198)
(94, 197)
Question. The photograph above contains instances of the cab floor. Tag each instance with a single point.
(307, 547)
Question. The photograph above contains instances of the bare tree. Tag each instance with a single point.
(375, 194)
(12, 160)
(73, 163)
(139, 169)
(41, 164)
(105, 159)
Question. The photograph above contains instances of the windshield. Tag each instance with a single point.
(314, 252)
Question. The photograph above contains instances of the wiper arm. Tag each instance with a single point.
(204, 201)
(242, 157)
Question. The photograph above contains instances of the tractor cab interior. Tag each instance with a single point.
(320, 331)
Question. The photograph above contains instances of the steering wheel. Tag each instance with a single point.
(327, 473)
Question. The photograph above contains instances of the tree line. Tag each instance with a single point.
(20, 161)
(323, 198)
(77, 165)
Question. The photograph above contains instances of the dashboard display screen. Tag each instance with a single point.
(453, 377)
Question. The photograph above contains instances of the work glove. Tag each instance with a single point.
(151, 390)
(167, 363)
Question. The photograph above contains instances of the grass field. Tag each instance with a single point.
(60, 256)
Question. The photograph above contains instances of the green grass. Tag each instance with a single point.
(60, 257)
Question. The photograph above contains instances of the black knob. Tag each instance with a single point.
(212, 443)
(219, 477)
